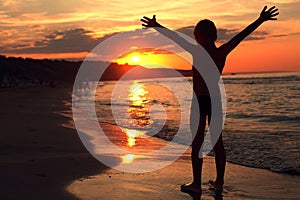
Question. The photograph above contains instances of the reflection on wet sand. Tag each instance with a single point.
(128, 158)
(131, 135)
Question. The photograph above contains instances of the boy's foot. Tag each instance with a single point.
(191, 188)
(216, 187)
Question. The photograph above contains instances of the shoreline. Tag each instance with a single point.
(231, 158)
(240, 183)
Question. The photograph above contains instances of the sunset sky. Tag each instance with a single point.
(70, 29)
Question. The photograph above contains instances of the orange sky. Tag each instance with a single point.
(70, 29)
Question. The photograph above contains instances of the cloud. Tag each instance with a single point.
(227, 34)
(147, 51)
(70, 40)
(289, 10)
(188, 30)
(154, 51)
(283, 1)
(286, 35)
(78, 40)
(81, 40)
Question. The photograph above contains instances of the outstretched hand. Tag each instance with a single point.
(148, 23)
(269, 14)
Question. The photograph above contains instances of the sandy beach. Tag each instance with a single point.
(42, 157)
(39, 156)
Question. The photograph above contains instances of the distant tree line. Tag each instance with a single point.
(15, 72)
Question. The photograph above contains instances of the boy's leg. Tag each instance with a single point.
(220, 159)
(195, 186)
(196, 146)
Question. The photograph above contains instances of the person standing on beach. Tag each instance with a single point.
(205, 34)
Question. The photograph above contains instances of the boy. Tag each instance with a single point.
(205, 34)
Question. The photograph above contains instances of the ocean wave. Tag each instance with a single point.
(241, 115)
(264, 117)
(263, 149)
(289, 119)
(260, 80)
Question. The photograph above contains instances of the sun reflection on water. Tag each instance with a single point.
(138, 111)
(138, 104)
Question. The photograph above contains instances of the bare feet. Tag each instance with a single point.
(191, 188)
(218, 187)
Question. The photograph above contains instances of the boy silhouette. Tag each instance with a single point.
(205, 34)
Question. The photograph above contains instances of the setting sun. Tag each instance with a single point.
(154, 58)
(135, 58)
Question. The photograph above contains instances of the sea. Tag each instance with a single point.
(261, 114)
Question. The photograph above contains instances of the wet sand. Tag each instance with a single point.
(38, 156)
(241, 183)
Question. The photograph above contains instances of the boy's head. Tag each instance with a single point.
(205, 30)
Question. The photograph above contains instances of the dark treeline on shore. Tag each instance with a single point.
(17, 72)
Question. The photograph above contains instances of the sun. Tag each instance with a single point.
(135, 58)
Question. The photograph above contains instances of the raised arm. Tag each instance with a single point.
(152, 23)
(265, 15)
